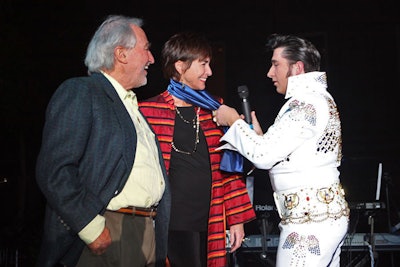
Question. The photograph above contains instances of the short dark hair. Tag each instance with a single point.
(185, 46)
(296, 49)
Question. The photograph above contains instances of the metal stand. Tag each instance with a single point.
(388, 181)
(264, 241)
(374, 254)
(360, 261)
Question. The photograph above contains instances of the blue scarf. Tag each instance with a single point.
(231, 161)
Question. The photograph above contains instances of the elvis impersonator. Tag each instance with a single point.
(302, 151)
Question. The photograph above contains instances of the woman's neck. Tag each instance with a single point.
(180, 103)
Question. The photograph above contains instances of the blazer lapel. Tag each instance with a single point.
(125, 121)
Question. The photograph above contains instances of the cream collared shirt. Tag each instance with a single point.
(145, 185)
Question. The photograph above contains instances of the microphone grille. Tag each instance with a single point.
(243, 91)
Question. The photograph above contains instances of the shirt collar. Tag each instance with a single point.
(307, 82)
(122, 93)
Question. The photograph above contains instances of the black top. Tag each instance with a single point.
(190, 176)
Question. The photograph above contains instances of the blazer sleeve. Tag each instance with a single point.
(65, 141)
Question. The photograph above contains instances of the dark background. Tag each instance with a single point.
(43, 42)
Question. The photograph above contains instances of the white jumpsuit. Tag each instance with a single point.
(302, 151)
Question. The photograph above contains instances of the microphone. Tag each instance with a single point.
(243, 92)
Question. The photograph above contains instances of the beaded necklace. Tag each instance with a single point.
(196, 125)
(185, 120)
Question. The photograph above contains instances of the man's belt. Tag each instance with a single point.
(136, 211)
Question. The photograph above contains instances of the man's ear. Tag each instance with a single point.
(298, 67)
(120, 54)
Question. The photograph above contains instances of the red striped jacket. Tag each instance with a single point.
(230, 203)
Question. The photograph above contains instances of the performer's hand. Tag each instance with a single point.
(256, 124)
(236, 236)
(226, 116)
(100, 245)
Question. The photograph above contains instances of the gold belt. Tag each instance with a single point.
(311, 204)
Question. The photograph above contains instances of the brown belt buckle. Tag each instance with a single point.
(153, 210)
(145, 212)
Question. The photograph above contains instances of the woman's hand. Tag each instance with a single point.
(236, 236)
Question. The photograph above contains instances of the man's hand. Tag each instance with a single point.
(226, 116)
(256, 124)
(100, 245)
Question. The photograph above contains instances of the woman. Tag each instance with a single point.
(204, 198)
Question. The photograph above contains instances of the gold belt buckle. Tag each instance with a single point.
(325, 195)
(291, 201)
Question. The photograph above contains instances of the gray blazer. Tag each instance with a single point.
(87, 152)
